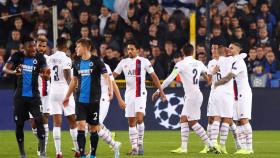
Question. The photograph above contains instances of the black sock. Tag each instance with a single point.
(93, 142)
(41, 135)
(81, 138)
(20, 138)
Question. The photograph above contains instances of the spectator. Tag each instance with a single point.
(259, 78)
(83, 21)
(102, 50)
(271, 65)
(95, 36)
(68, 18)
(202, 57)
(105, 15)
(222, 7)
(14, 41)
(201, 35)
(260, 55)
(5, 24)
(166, 58)
(263, 38)
(154, 59)
(109, 39)
(110, 58)
(268, 16)
(217, 36)
(2, 63)
(252, 61)
(240, 38)
(175, 35)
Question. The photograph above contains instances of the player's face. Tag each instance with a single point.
(233, 49)
(131, 50)
(30, 48)
(80, 49)
(42, 47)
(214, 50)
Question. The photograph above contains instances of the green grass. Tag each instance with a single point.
(157, 145)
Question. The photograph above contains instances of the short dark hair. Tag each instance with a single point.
(237, 44)
(188, 49)
(85, 42)
(61, 43)
(132, 42)
(28, 40)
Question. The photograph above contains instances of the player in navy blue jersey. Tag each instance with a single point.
(87, 71)
(27, 66)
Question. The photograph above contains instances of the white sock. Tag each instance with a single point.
(209, 130)
(34, 131)
(74, 134)
(133, 136)
(199, 130)
(46, 126)
(141, 130)
(241, 137)
(233, 128)
(106, 136)
(185, 130)
(214, 132)
(57, 139)
(249, 134)
(224, 133)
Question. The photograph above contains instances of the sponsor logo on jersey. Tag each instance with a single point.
(28, 68)
(86, 72)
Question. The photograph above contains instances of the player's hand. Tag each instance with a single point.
(216, 69)
(65, 101)
(18, 70)
(122, 104)
(162, 96)
(155, 96)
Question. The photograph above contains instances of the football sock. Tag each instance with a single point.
(249, 134)
(141, 130)
(214, 132)
(133, 136)
(57, 139)
(199, 130)
(93, 142)
(46, 126)
(81, 138)
(224, 133)
(233, 128)
(106, 136)
(74, 134)
(20, 139)
(184, 135)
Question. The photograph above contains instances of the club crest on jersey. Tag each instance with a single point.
(91, 64)
(35, 61)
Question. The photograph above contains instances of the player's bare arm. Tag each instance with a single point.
(157, 84)
(115, 75)
(72, 86)
(224, 80)
(207, 78)
(109, 83)
(118, 95)
(67, 75)
(8, 69)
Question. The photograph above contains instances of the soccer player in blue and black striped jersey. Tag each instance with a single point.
(87, 73)
(27, 66)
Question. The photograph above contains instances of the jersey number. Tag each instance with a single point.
(195, 80)
(95, 116)
(55, 69)
(219, 76)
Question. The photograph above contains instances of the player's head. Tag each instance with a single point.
(61, 44)
(222, 50)
(132, 49)
(42, 44)
(214, 50)
(30, 47)
(187, 49)
(235, 48)
(83, 46)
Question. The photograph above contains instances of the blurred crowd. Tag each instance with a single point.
(161, 27)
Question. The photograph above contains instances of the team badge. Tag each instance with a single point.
(34, 61)
(91, 64)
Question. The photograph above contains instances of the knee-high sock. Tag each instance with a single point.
(214, 132)
(233, 128)
(46, 126)
(20, 139)
(241, 137)
(41, 135)
(57, 139)
(93, 142)
(224, 133)
(81, 138)
(141, 130)
(133, 136)
(184, 135)
(106, 136)
(249, 134)
(74, 135)
(199, 130)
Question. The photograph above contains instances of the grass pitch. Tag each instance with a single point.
(157, 145)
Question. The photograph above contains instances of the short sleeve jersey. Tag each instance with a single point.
(89, 74)
(27, 82)
(190, 71)
(239, 69)
(104, 86)
(135, 70)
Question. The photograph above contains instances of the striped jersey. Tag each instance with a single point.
(135, 70)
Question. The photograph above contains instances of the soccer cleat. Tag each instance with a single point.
(242, 152)
(179, 151)
(223, 149)
(84, 156)
(215, 149)
(59, 156)
(117, 149)
(140, 150)
(251, 151)
(205, 150)
(92, 156)
(132, 152)
(22, 156)
(113, 136)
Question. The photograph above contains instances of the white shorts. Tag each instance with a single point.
(209, 102)
(56, 102)
(45, 105)
(104, 107)
(192, 106)
(221, 104)
(243, 106)
(135, 104)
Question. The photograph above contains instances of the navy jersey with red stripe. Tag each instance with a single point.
(27, 82)
(88, 73)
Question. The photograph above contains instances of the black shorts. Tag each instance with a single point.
(88, 112)
(24, 105)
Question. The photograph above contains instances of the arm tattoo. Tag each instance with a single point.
(225, 79)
